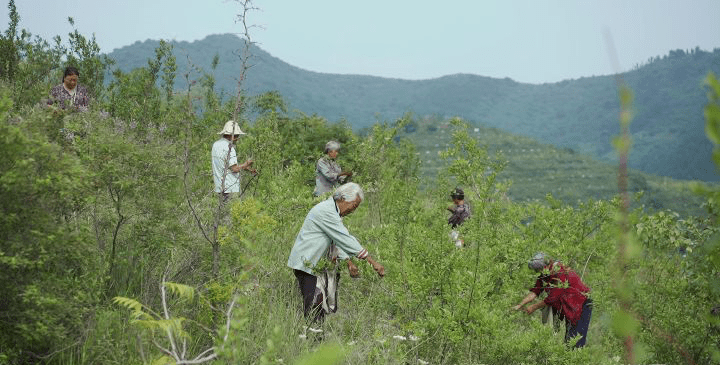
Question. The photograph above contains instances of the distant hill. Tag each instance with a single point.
(582, 114)
(536, 169)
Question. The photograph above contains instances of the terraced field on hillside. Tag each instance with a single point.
(536, 169)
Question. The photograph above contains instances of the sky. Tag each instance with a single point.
(529, 41)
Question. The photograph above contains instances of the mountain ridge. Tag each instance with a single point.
(582, 114)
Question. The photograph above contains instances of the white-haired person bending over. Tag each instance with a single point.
(323, 235)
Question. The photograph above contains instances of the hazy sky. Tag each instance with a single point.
(532, 41)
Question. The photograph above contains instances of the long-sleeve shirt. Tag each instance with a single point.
(78, 97)
(322, 227)
(566, 293)
(327, 175)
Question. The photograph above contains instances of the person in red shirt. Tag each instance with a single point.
(566, 294)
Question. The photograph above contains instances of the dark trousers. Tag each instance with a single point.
(312, 306)
(582, 325)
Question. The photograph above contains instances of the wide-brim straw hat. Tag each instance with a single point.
(231, 128)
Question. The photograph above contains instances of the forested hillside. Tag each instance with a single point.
(115, 249)
(535, 170)
(578, 114)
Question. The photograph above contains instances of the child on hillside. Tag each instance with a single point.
(460, 212)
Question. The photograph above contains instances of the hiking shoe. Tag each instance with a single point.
(307, 329)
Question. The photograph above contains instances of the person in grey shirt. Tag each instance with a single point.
(328, 174)
(324, 235)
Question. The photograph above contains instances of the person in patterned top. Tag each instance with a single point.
(70, 95)
(460, 212)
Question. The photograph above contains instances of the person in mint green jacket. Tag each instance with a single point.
(323, 234)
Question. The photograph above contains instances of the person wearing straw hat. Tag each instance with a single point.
(226, 170)
(566, 294)
(328, 174)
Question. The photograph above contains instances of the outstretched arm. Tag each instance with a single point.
(529, 298)
(247, 165)
(355, 272)
(533, 307)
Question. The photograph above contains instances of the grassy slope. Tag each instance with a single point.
(536, 169)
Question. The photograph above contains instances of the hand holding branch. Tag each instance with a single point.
(354, 272)
(376, 266)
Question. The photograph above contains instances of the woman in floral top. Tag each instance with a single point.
(69, 94)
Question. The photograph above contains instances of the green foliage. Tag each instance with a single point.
(84, 54)
(470, 165)
(104, 214)
(48, 265)
(30, 66)
(8, 53)
(534, 170)
(166, 331)
(712, 115)
(325, 355)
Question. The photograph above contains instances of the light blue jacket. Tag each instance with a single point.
(322, 227)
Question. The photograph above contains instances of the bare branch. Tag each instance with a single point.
(229, 318)
(187, 190)
(170, 335)
(204, 352)
(164, 350)
(197, 361)
(184, 348)
(54, 352)
(246, 7)
(586, 263)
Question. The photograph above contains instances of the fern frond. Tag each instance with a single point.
(184, 291)
(132, 304)
(140, 315)
(151, 324)
(136, 308)
(173, 325)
